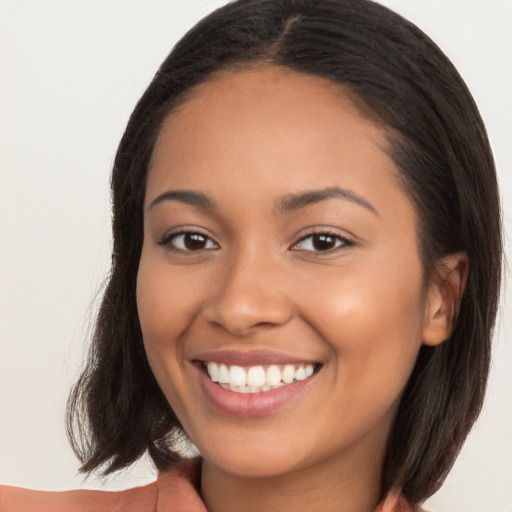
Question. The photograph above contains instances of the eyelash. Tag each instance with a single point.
(167, 241)
(341, 242)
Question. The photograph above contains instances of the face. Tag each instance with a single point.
(280, 289)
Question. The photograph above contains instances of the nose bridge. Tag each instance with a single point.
(251, 293)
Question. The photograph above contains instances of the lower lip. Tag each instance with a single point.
(249, 405)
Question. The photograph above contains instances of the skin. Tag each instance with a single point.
(362, 309)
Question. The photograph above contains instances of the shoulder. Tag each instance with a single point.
(174, 491)
(138, 499)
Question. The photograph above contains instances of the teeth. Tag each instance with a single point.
(237, 376)
(273, 376)
(223, 374)
(213, 371)
(256, 376)
(256, 379)
(300, 373)
(288, 374)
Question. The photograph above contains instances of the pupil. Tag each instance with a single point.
(194, 241)
(323, 242)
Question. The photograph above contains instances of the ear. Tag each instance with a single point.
(444, 296)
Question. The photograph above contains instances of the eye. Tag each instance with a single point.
(320, 242)
(189, 242)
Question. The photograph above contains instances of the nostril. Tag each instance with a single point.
(264, 324)
(240, 314)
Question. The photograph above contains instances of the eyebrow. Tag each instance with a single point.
(300, 200)
(288, 203)
(185, 196)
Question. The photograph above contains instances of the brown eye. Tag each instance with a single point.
(321, 242)
(191, 242)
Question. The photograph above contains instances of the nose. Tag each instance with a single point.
(250, 296)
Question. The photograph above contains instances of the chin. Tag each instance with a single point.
(254, 460)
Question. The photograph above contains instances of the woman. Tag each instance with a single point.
(304, 198)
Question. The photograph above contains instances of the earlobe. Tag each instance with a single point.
(444, 296)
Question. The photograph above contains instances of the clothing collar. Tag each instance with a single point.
(178, 491)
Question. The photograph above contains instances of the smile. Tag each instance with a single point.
(257, 379)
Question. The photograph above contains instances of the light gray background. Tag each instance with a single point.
(70, 74)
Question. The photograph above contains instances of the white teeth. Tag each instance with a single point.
(237, 376)
(300, 373)
(213, 370)
(273, 375)
(256, 379)
(223, 374)
(288, 374)
(256, 376)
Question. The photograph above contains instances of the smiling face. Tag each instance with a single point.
(280, 249)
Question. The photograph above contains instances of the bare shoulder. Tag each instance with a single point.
(138, 499)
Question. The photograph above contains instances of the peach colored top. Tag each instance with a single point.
(174, 491)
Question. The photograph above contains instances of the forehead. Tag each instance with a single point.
(273, 127)
(251, 96)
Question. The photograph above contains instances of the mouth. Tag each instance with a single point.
(256, 383)
(258, 378)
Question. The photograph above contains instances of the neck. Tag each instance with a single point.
(331, 486)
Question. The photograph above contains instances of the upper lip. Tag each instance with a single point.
(249, 358)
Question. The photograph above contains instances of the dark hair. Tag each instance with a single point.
(393, 73)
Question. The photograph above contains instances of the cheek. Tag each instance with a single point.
(373, 329)
(163, 314)
(372, 319)
(166, 302)
(165, 307)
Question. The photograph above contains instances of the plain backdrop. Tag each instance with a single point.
(70, 74)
